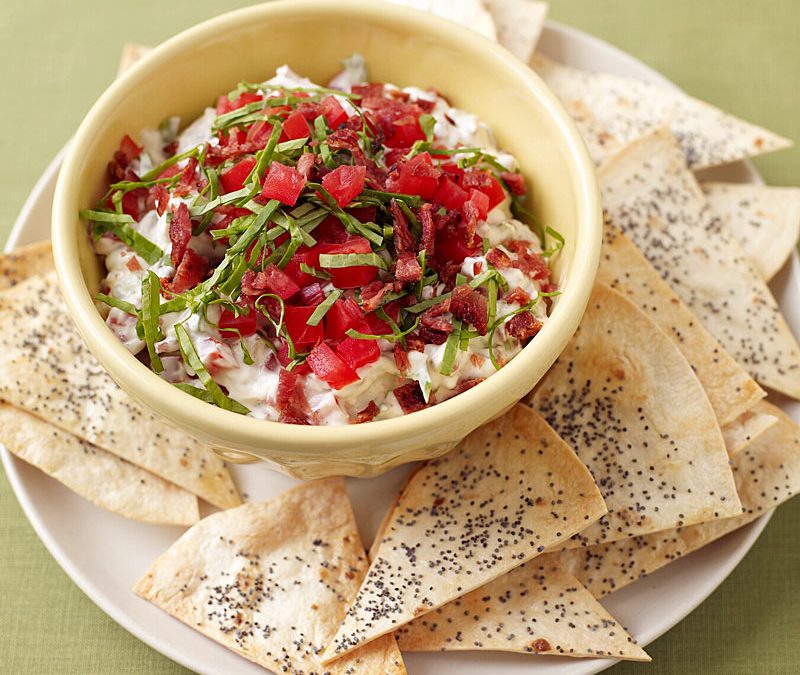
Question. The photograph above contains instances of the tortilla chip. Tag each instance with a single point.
(469, 13)
(47, 370)
(508, 491)
(271, 581)
(626, 109)
(745, 429)
(730, 389)
(537, 608)
(519, 24)
(655, 199)
(24, 262)
(96, 475)
(764, 220)
(627, 400)
(767, 473)
(131, 53)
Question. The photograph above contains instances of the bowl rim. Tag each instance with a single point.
(188, 412)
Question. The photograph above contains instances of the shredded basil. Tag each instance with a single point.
(111, 301)
(340, 260)
(323, 307)
(451, 349)
(120, 225)
(151, 297)
(392, 337)
(203, 395)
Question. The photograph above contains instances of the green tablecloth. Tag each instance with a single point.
(58, 56)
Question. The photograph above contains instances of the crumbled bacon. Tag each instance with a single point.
(367, 414)
(498, 259)
(477, 267)
(407, 268)
(476, 178)
(469, 305)
(439, 308)
(306, 164)
(190, 272)
(159, 195)
(133, 264)
(403, 240)
(410, 397)
(523, 326)
(369, 90)
(465, 385)
(291, 400)
(401, 358)
(187, 180)
(372, 295)
(471, 215)
(431, 336)
(530, 264)
(414, 343)
(518, 296)
(428, 228)
(515, 183)
(436, 323)
(180, 232)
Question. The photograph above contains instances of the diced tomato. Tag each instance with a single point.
(376, 325)
(295, 126)
(333, 111)
(345, 183)
(449, 194)
(418, 176)
(258, 134)
(454, 249)
(245, 98)
(128, 148)
(481, 202)
(486, 183)
(358, 353)
(284, 360)
(233, 179)
(302, 255)
(312, 294)
(344, 314)
(405, 132)
(303, 335)
(330, 367)
(330, 231)
(245, 324)
(363, 214)
(349, 277)
(271, 280)
(223, 104)
(130, 204)
(283, 183)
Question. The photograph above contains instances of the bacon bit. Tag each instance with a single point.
(498, 259)
(190, 272)
(187, 179)
(407, 268)
(305, 164)
(437, 323)
(367, 414)
(447, 273)
(410, 397)
(133, 264)
(369, 90)
(515, 183)
(469, 305)
(309, 110)
(401, 358)
(530, 264)
(403, 240)
(414, 343)
(471, 215)
(431, 336)
(428, 228)
(477, 178)
(160, 197)
(518, 296)
(477, 267)
(291, 400)
(523, 326)
(426, 105)
(439, 308)
(180, 232)
(170, 149)
(372, 294)
(465, 385)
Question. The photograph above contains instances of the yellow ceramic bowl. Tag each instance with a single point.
(405, 47)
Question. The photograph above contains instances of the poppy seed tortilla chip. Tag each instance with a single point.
(764, 220)
(519, 24)
(537, 608)
(624, 397)
(653, 197)
(767, 473)
(131, 53)
(271, 581)
(469, 13)
(24, 262)
(624, 109)
(730, 389)
(96, 475)
(745, 429)
(46, 370)
(511, 489)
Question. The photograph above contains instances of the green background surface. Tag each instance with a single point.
(58, 56)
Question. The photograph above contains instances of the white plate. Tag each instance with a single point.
(105, 554)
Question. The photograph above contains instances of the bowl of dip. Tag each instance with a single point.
(335, 259)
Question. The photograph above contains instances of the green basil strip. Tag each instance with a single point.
(395, 337)
(425, 304)
(340, 260)
(314, 272)
(203, 395)
(488, 275)
(451, 349)
(111, 301)
(289, 146)
(323, 307)
(152, 333)
(120, 225)
(192, 360)
(409, 200)
(221, 200)
(557, 246)
(232, 117)
(492, 299)
(352, 225)
(321, 132)
(157, 170)
(265, 156)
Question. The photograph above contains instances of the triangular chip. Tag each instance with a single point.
(519, 24)
(764, 220)
(627, 400)
(47, 370)
(511, 489)
(537, 608)
(131, 53)
(271, 581)
(655, 199)
(469, 13)
(96, 475)
(24, 262)
(728, 386)
(767, 474)
(624, 109)
(745, 429)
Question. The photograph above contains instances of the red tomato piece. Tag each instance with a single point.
(455, 249)
(259, 133)
(333, 111)
(329, 367)
(312, 294)
(481, 202)
(303, 335)
(418, 176)
(296, 127)
(486, 183)
(349, 277)
(284, 360)
(363, 214)
(229, 323)
(331, 231)
(128, 148)
(345, 183)
(283, 183)
(344, 314)
(233, 179)
(449, 194)
(358, 353)
(405, 132)
(375, 325)
(245, 98)
(302, 255)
